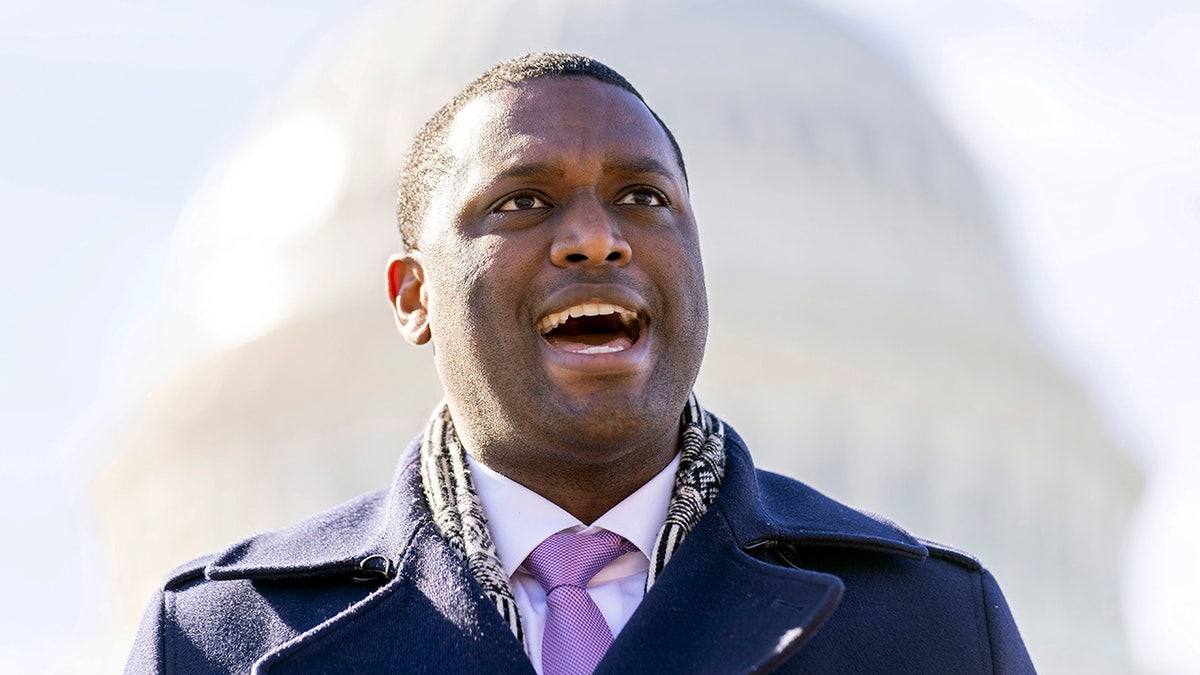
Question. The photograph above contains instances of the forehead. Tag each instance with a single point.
(560, 121)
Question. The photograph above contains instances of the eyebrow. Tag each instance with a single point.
(533, 170)
(639, 166)
(625, 167)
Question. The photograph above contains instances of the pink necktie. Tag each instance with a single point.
(576, 634)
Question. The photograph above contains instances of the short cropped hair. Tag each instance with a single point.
(427, 160)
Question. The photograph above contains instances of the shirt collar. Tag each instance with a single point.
(519, 518)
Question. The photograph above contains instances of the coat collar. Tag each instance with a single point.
(377, 525)
(761, 508)
(717, 607)
(764, 508)
(768, 611)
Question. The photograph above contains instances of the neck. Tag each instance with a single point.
(573, 480)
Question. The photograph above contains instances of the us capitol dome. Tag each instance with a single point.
(866, 335)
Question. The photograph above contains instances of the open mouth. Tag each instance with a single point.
(591, 328)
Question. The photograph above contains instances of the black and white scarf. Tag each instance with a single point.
(450, 492)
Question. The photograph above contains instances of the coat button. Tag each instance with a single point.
(373, 569)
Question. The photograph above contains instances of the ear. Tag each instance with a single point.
(406, 292)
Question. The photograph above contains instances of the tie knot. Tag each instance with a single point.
(573, 559)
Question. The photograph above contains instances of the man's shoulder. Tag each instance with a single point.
(270, 587)
(913, 595)
(769, 509)
(350, 537)
(337, 540)
(812, 518)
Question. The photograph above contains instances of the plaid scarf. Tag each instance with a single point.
(450, 492)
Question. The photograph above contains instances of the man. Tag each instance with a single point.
(570, 489)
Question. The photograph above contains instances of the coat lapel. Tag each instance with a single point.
(432, 618)
(717, 609)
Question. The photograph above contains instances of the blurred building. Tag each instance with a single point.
(866, 334)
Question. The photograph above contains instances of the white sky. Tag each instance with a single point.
(1084, 115)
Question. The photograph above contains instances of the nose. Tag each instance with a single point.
(589, 235)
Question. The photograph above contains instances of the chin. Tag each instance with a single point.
(610, 416)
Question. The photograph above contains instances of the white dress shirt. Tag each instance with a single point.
(520, 519)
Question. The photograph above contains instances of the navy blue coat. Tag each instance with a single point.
(775, 577)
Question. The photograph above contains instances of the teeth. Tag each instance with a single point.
(552, 321)
(600, 349)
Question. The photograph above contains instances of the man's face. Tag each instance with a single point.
(561, 271)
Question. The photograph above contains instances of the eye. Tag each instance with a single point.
(643, 196)
(522, 203)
